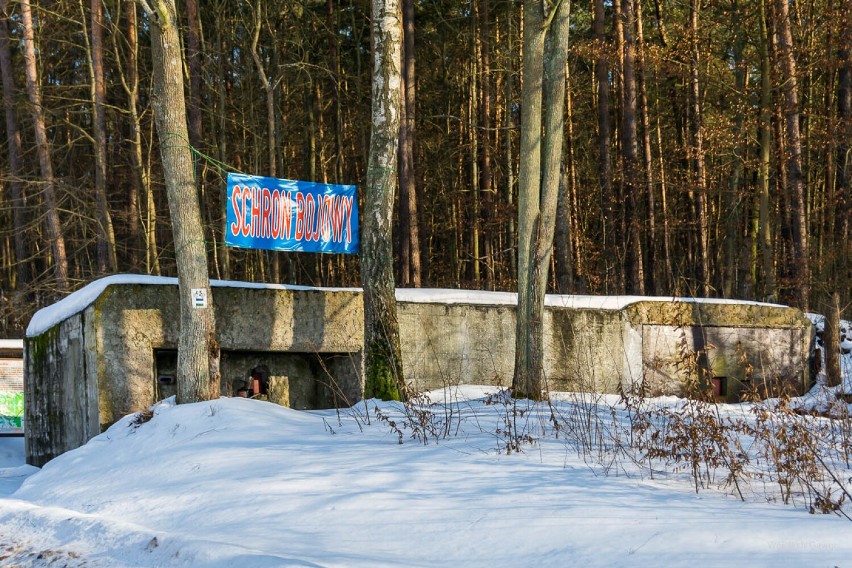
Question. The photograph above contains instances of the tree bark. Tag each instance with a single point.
(271, 130)
(831, 341)
(795, 182)
(128, 78)
(410, 237)
(565, 237)
(382, 359)
(484, 134)
(198, 350)
(54, 227)
(141, 174)
(764, 232)
(654, 262)
(635, 281)
(268, 88)
(193, 64)
(733, 282)
(607, 198)
(844, 150)
(13, 140)
(107, 259)
(545, 52)
(703, 276)
(509, 163)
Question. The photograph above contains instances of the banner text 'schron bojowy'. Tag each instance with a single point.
(279, 214)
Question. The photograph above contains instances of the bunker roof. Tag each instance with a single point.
(78, 301)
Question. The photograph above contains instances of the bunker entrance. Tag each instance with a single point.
(303, 381)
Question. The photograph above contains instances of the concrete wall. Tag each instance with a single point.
(749, 349)
(104, 362)
(60, 392)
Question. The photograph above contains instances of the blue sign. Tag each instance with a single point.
(281, 214)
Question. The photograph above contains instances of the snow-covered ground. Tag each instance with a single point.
(237, 482)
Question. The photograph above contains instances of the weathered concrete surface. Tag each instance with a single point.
(105, 361)
(135, 321)
(60, 392)
(751, 350)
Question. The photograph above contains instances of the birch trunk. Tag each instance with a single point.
(382, 360)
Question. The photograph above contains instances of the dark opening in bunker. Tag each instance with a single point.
(302, 381)
(720, 387)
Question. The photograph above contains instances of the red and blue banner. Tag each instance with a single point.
(281, 214)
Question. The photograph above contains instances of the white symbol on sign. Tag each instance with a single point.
(199, 297)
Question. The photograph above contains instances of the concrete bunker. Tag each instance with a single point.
(110, 349)
(302, 381)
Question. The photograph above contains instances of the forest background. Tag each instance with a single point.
(707, 145)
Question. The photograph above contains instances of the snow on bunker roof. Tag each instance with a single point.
(78, 301)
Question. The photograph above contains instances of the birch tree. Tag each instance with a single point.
(382, 360)
(545, 51)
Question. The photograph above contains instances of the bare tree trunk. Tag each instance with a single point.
(107, 259)
(140, 179)
(545, 52)
(567, 211)
(222, 137)
(635, 269)
(795, 181)
(604, 124)
(844, 149)
(198, 350)
(655, 264)
(484, 133)
(193, 63)
(831, 341)
(133, 209)
(509, 164)
(54, 228)
(382, 359)
(703, 275)
(733, 282)
(562, 239)
(269, 88)
(764, 233)
(410, 237)
(13, 139)
(473, 183)
(667, 236)
(661, 25)
(271, 134)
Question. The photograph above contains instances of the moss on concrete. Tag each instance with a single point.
(39, 346)
(380, 380)
(709, 314)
